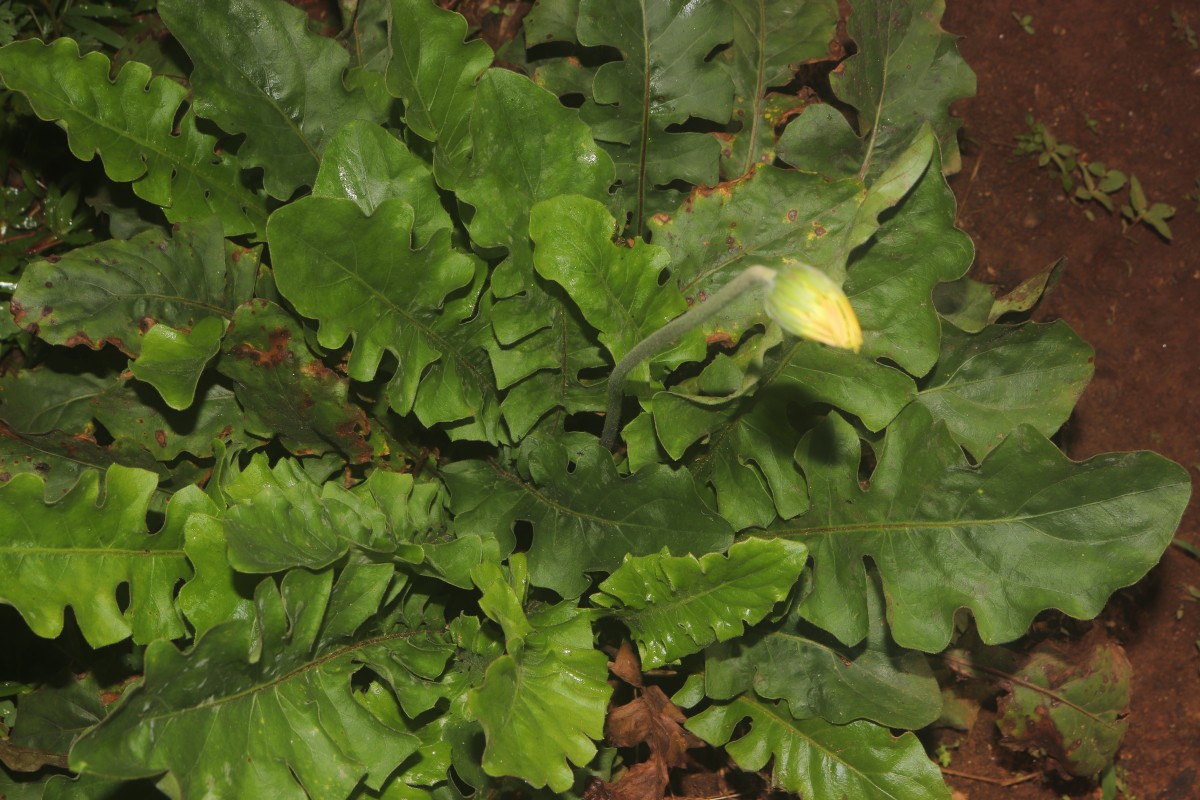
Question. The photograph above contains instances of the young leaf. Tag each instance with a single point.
(585, 517)
(258, 70)
(278, 690)
(676, 606)
(113, 291)
(129, 123)
(906, 72)
(992, 382)
(434, 72)
(547, 694)
(1068, 533)
(172, 359)
(794, 660)
(771, 38)
(662, 80)
(359, 275)
(618, 288)
(818, 759)
(286, 391)
(77, 550)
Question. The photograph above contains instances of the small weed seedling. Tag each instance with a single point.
(1184, 31)
(1085, 181)
(1195, 196)
(1025, 21)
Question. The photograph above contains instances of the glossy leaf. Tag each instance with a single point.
(819, 759)
(359, 276)
(662, 80)
(129, 123)
(259, 71)
(771, 39)
(677, 605)
(795, 661)
(276, 687)
(172, 359)
(60, 458)
(988, 384)
(286, 391)
(212, 595)
(44, 400)
(114, 291)
(585, 516)
(1069, 534)
(78, 549)
(433, 70)
(134, 414)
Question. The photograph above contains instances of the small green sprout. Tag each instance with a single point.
(1195, 196)
(1139, 209)
(1184, 31)
(1025, 21)
(1092, 124)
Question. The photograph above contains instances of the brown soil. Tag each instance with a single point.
(1134, 297)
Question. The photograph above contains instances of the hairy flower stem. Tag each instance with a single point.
(669, 334)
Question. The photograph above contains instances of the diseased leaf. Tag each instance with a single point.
(286, 391)
(434, 72)
(129, 122)
(819, 759)
(172, 359)
(771, 38)
(43, 400)
(60, 458)
(585, 517)
(677, 605)
(1069, 534)
(114, 291)
(259, 71)
(988, 384)
(134, 414)
(794, 660)
(906, 72)
(278, 690)
(78, 549)
(359, 276)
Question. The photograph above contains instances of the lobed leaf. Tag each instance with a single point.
(818, 759)
(258, 70)
(172, 359)
(988, 384)
(1024, 531)
(41, 400)
(277, 688)
(585, 517)
(677, 605)
(77, 550)
(129, 122)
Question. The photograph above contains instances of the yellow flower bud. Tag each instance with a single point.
(807, 303)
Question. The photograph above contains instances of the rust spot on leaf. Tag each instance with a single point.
(273, 356)
(146, 323)
(720, 338)
(160, 436)
(791, 215)
(819, 229)
(81, 338)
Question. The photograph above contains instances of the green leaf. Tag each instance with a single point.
(278, 690)
(676, 606)
(542, 693)
(988, 384)
(819, 759)
(906, 72)
(61, 458)
(434, 72)
(891, 279)
(286, 391)
(619, 289)
(970, 305)
(553, 155)
(114, 291)
(367, 164)
(662, 80)
(771, 38)
(214, 594)
(129, 122)
(1069, 534)
(78, 549)
(585, 517)
(359, 276)
(258, 70)
(42, 400)
(172, 359)
(794, 660)
(50, 717)
(281, 518)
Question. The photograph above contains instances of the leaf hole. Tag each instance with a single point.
(716, 51)
(664, 276)
(121, 595)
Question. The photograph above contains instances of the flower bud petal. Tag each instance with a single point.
(807, 303)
